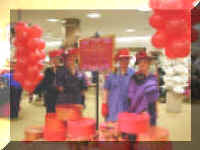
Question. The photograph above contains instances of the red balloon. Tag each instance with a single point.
(18, 76)
(32, 44)
(34, 57)
(36, 43)
(35, 32)
(32, 71)
(21, 65)
(154, 4)
(21, 53)
(21, 31)
(159, 39)
(176, 26)
(157, 21)
(194, 35)
(172, 4)
(170, 54)
(188, 4)
(180, 48)
(28, 86)
(18, 43)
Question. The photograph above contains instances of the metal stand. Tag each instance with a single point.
(97, 100)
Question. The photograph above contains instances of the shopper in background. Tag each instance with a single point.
(143, 91)
(15, 92)
(48, 84)
(4, 97)
(70, 81)
(162, 90)
(116, 88)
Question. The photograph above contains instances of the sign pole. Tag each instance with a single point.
(97, 100)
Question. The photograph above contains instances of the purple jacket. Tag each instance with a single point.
(144, 94)
(117, 85)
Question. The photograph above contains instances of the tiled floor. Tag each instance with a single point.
(178, 124)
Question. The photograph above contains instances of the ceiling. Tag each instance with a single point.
(112, 22)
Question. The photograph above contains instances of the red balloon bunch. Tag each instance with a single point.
(172, 21)
(29, 55)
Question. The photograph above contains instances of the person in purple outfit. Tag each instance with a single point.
(116, 88)
(143, 91)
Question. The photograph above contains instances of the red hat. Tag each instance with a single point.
(123, 53)
(142, 55)
(55, 53)
(70, 52)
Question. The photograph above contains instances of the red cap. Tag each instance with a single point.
(142, 55)
(123, 53)
(55, 53)
(70, 52)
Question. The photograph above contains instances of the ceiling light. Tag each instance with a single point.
(93, 15)
(53, 43)
(53, 20)
(144, 8)
(130, 30)
(133, 38)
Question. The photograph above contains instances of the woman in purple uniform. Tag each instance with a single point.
(116, 88)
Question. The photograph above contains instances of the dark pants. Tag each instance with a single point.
(132, 138)
(15, 96)
(152, 113)
(50, 102)
(83, 100)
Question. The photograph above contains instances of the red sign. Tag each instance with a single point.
(96, 53)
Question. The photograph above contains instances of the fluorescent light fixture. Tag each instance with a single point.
(130, 30)
(93, 15)
(144, 8)
(53, 43)
(133, 38)
(52, 20)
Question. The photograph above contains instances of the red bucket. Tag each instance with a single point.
(114, 146)
(153, 146)
(84, 128)
(33, 133)
(132, 123)
(55, 129)
(68, 112)
(154, 134)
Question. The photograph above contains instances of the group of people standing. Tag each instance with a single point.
(127, 90)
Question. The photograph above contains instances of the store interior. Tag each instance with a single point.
(131, 30)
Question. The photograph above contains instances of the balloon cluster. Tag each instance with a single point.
(195, 20)
(29, 55)
(172, 21)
